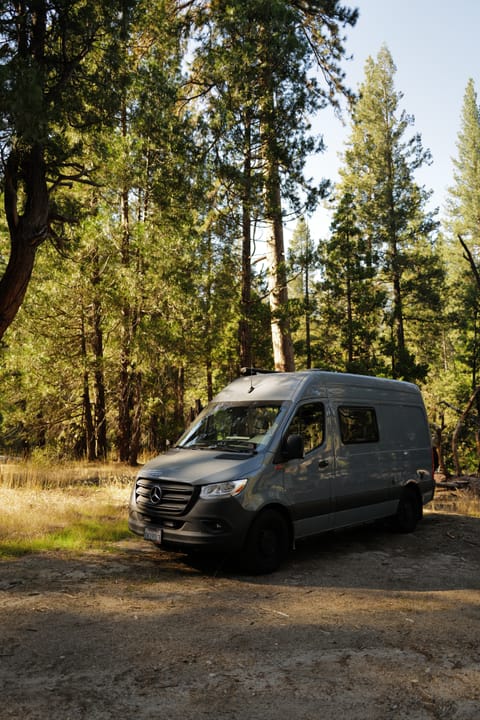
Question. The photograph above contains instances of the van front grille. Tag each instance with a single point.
(163, 497)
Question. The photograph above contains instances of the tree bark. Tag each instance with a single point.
(88, 430)
(282, 345)
(24, 172)
(245, 334)
(136, 421)
(99, 379)
(128, 411)
(308, 338)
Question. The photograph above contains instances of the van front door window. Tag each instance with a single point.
(309, 422)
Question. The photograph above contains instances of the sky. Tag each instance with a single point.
(435, 45)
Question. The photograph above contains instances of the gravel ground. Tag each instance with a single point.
(358, 624)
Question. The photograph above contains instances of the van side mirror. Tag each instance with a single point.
(293, 447)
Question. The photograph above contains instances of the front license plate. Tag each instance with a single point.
(153, 534)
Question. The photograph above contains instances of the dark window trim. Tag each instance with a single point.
(304, 404)
(372, 437)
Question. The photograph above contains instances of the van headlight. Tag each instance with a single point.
(230, 488)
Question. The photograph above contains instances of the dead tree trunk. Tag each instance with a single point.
(438, 446)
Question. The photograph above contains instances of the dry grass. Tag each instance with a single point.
(460, 495)
(462, 502)
(79, 506)
(38, 476)
(66, 508)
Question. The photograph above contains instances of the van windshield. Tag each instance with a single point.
(240, 427)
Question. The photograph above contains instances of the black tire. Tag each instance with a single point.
(408, 513)
(267, 543)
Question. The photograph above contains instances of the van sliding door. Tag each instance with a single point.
(362, 491)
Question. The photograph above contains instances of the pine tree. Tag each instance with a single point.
(463, 226)
(462, 366)
(303, 262)
(464, 195)
(58, 75)
(352, 300)
(253, 73)
(391, 207)
(153, 175)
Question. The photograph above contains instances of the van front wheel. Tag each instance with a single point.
(267, 543)
(408, 513)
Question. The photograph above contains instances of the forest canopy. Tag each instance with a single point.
(152, 154)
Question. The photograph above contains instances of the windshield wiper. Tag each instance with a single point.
(240, 446)
(196, 446)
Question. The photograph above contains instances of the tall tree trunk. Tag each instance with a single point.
(96, 342)
(282, 344)
(398, 334)
(99, 379)
(25, 166)
(88, 420)
(277, 279)
(179, 397)
(438, 446)
(349, 321)
(245, 334)
(308, 339)
(88, 429)
(207, 328)
(125, 379)
(136, 424)
(27, 231)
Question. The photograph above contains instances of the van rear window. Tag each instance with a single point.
(358, 425)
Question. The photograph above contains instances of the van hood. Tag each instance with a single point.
(199, 467)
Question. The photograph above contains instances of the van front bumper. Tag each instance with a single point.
(221, 528)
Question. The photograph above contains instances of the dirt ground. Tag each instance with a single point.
(358, 624)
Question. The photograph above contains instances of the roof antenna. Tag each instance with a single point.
(251, 376)
(251, 371)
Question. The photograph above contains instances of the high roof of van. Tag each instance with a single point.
(282, 386)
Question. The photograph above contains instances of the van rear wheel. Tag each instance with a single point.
(408, 513)
(267, 543)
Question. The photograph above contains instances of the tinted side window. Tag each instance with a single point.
(309, 422)
(358, 425)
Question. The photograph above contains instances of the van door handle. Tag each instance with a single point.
(322, 463)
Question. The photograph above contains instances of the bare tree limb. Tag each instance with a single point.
(469, 257)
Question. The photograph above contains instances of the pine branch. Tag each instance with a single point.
(469, 257)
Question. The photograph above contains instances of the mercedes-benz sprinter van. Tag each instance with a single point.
(280, 456)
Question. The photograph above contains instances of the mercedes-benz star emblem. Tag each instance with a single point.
(156, 495)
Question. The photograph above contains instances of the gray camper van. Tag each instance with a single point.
(280, 456)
